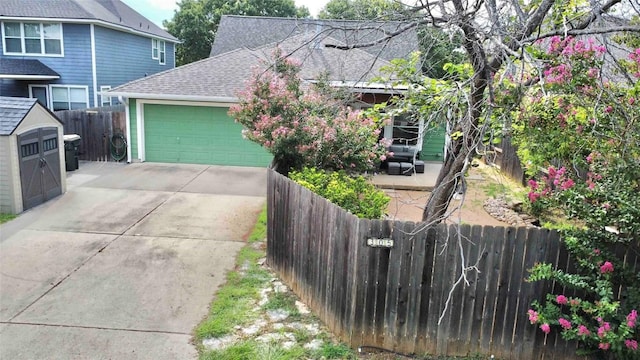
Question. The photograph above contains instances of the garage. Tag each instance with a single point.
(196, 135)
(30, 153)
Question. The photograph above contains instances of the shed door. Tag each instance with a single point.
(39, 166)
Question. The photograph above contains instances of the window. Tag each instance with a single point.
(158, 50)
(40, 92)
(32, 38)
(104, 99)
(154, 49)
(69, 97)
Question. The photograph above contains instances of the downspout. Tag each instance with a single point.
(127, 117)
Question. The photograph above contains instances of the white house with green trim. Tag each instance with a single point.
(180, 115)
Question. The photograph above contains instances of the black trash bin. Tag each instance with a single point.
(71, 146)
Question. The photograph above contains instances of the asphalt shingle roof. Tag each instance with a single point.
(12, 111)
(111, 11)
(25, 67)
(252, 32)
(225, 74)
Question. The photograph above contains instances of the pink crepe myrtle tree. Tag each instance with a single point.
(306, 127)
(576, 117)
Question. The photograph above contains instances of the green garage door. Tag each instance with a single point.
(198, 135)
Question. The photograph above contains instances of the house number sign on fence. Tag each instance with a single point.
(380, 243)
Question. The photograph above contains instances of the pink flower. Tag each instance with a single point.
(545, 328)
(583, 330)
(632, 101)
(596, 251)
(631, 344)
(631, 318)
(607, 267)
(533, 316)
(602, 330)
(608, 109)
(604, 346)
(561, 299)
(567, 184)
(383, 157)
(566, 324)
(533, 184)
(533, 196)
(574, 302)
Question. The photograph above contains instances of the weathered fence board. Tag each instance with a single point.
(505, 156)
(96, 128)
(394, 298)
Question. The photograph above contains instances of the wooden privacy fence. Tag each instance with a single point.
(393, 298)
(97, 128)
(506, 157)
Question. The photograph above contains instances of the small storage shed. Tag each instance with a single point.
(31, 155)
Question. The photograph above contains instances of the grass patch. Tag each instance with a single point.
(235, 301)
(259, 232)
(252, 350)
(6, 217)
(336, 351)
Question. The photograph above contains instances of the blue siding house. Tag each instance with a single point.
(66, 52)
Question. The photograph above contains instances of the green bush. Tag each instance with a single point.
(354, 194)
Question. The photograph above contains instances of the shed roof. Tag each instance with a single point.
(109, 11)
(13, 110)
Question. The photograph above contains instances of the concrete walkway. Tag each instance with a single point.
(125, 264)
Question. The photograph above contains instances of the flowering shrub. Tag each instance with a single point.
(576, 118)
(306, 128)
(354, 194)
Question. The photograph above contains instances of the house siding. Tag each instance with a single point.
(74, 67)
(9, 202)
(123, 57)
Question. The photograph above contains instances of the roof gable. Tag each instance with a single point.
(252, 32)
(113, 12)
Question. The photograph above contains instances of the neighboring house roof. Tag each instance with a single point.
(26, 69)
(252, 32)
(108, 12)
(220, 77)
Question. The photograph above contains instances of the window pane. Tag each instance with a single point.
(60, 94)
(78, 105)
(13, 45)
(162, 57)
(40, 93)
(32, 30)
(155, 53)
(52, 47)
(78, 95)
(52, 31)
(32, 46)
(12, 29)
(60, 106)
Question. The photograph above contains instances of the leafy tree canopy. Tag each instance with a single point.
(196, 21)
(362, 10)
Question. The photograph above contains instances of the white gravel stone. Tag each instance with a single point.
(277, 314)
(314, 344)
(254, 328)
(277, 326)
(302, 308)
(219, 343)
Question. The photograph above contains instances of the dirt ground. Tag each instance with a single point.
(482, 182)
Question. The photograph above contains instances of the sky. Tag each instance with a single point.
(159, 10)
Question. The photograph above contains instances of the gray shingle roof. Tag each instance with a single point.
(25, 67)
(225, 74)
(111, 11)
(251, 32)
(12, 111)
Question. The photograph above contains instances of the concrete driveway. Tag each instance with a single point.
(125, 264)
